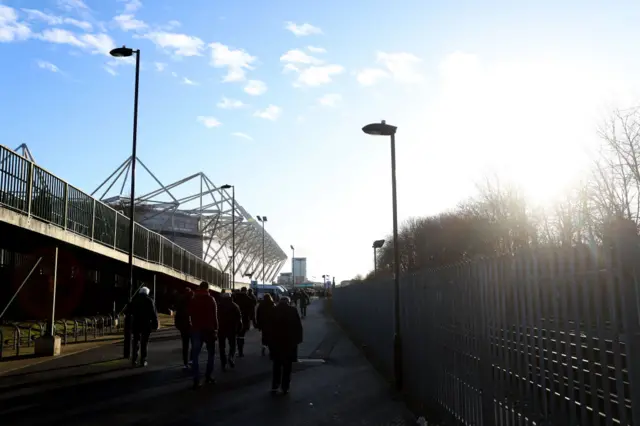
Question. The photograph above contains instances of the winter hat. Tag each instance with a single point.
(144, 290)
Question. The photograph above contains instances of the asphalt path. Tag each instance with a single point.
(333, 384)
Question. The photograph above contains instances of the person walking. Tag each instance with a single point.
(247, 308)
(230, 319)
(203, 313)
(144, 321)
(183, 324)
(304, 302)
(264, 318)
(286, 335)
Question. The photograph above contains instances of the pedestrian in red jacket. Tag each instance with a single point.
(203, 313)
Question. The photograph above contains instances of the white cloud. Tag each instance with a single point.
(227, 103)
(59, 36)
(10, 28)
(209, 122)
(296, 56)
(94, 43)
(370, 76)
(173, 24)
(100, 44)
(302, 30)
(318, 75)
(48, 66)
(178, 44)
(131, 5)
(255, 87)
(236, 61)
(129, 23)
(160, 66)
(71, 5)
(314, 49)
(37, 15)
(110, 70)
(402, 66)
(242, 135)
(272, 112)
(188, 82)
(174, 74)
(330, 99)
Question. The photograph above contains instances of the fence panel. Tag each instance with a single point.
(540, 338)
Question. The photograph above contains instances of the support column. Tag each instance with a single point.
(50, 344)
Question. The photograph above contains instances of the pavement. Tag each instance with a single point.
(333, 384)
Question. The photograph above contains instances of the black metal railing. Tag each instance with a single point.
(31, 190)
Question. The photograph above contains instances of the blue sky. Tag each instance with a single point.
(474, 87)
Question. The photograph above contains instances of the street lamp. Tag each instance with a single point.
(384, 129)
(293, 275)
(233, 233)
(125, 52)
(263, 219)
(376, 245)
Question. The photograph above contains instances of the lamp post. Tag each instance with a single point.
(376, 245)
(125, 52)
(384, 129)
(262, 219)
(233, 233)
(293, 260)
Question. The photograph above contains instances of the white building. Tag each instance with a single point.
(299, 270)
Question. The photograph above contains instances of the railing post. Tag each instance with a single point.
(66, 206)
(148, 238)
(93, 219)
(115, 232)
(629, 294)
(29, 188)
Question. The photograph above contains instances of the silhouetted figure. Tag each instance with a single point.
(230, 324)
(144, 321)
(304, 302)
(183, 324)
(264, 320)
(286, 336)
(247, 308)
(204, 328)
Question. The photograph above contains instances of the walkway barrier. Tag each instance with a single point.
(24, 334)
(545, 337)
(31, 190)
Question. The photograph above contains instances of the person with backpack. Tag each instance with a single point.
(284, 341)
(230, 319)
(142, 309)
(183, 323)
(203, 313)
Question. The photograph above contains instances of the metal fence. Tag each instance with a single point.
(31, 190)
(542, 338)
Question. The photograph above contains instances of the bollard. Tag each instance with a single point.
(16, 338)
(95, 327)
(85, 325)
(75, 330)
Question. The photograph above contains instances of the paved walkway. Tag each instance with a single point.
(332, 385)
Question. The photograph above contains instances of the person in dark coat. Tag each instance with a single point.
(284, 340)
(264, 318)
(144, 321)
(304, 302)
(183, 324)
(230, 324)
(247, 308)
(203, 313)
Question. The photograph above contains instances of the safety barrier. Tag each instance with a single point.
(23, 335)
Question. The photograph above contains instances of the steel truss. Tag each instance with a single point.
(212, 209)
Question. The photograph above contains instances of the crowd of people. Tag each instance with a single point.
(205, 320)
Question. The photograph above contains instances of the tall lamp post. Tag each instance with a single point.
(233, 233)
(384, 129)
(376, 245)
(293, 260)
(262, 219)
(125, 52)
